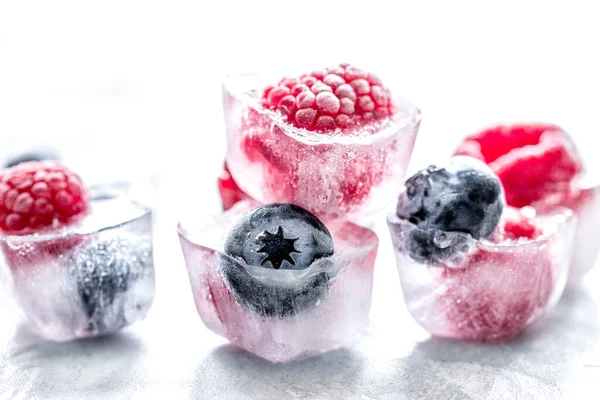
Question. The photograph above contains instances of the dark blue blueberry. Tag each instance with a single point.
(105, 272)
(285, 239)
(31, 156)
(463, 197)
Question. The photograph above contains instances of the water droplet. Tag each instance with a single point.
(442, 240)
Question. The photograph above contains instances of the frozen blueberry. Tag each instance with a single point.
(425, 246)
(105, 272)
(31, 156)
(464, 197)
(278, 242)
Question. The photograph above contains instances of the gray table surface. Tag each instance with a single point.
(172, 355)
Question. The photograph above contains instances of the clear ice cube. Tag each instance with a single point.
(332, 175)
(494, 290)
(586, 207)
(89, 279)
(293, 314)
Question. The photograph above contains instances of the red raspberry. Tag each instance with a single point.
(497, 293)
(22, 255)
(515, 226)
(229, 190)
(259, 144)
(535, 163)
(339, 97)
(37, 195)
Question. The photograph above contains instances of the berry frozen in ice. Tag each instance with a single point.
(105, 271)
(498, 286)
(277, 237)
(535, 162)
(464, 197)
(89, 277)
(37, 195)
(281, 314)
(277, 248)
(328, 178)
(493, 295)
(339, 97)
(516, 226)
(229, 190)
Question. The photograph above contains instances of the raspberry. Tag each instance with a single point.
(340, 97)
(36, 195)
(26, 254)
(229, 190)
(497, 293)
(535, 163)
(515, 226)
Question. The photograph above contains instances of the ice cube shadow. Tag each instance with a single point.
(231, 368)
(40, 364)
(539, 355)
(574, 320)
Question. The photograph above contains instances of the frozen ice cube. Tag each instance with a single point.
(88, 279)
(294, 313)
(330, 174)
(496, 289)
(586, 206)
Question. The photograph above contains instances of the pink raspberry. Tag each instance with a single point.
(535, 162)
(229, 190)
(37, 195)
(496, 294)
(340, 97)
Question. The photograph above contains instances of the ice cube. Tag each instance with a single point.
(586, 206)
(302, 312)
(332, 175)
(496, 289)
(88, 279)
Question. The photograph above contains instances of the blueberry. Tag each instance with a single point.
(277, 242)
(464, 197)
(31, 156)
(422, 247)
(105, 272)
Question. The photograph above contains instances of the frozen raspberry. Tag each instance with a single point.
(497, 293)
(229, 190)
(259, 145)
(36, 195)
(26, 254)
(535, 163)
(340, 97)
(515, 226)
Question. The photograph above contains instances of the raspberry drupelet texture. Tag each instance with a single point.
(338, 166)
(340, 97)
(536, 163)
(37, 195)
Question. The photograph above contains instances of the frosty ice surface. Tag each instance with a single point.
(494, 290)
(89, 279)
(586, 207)
(585, 204)
(295, 313)
(332, 175)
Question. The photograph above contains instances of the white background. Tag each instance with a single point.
(128, 87)
(130, 74)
